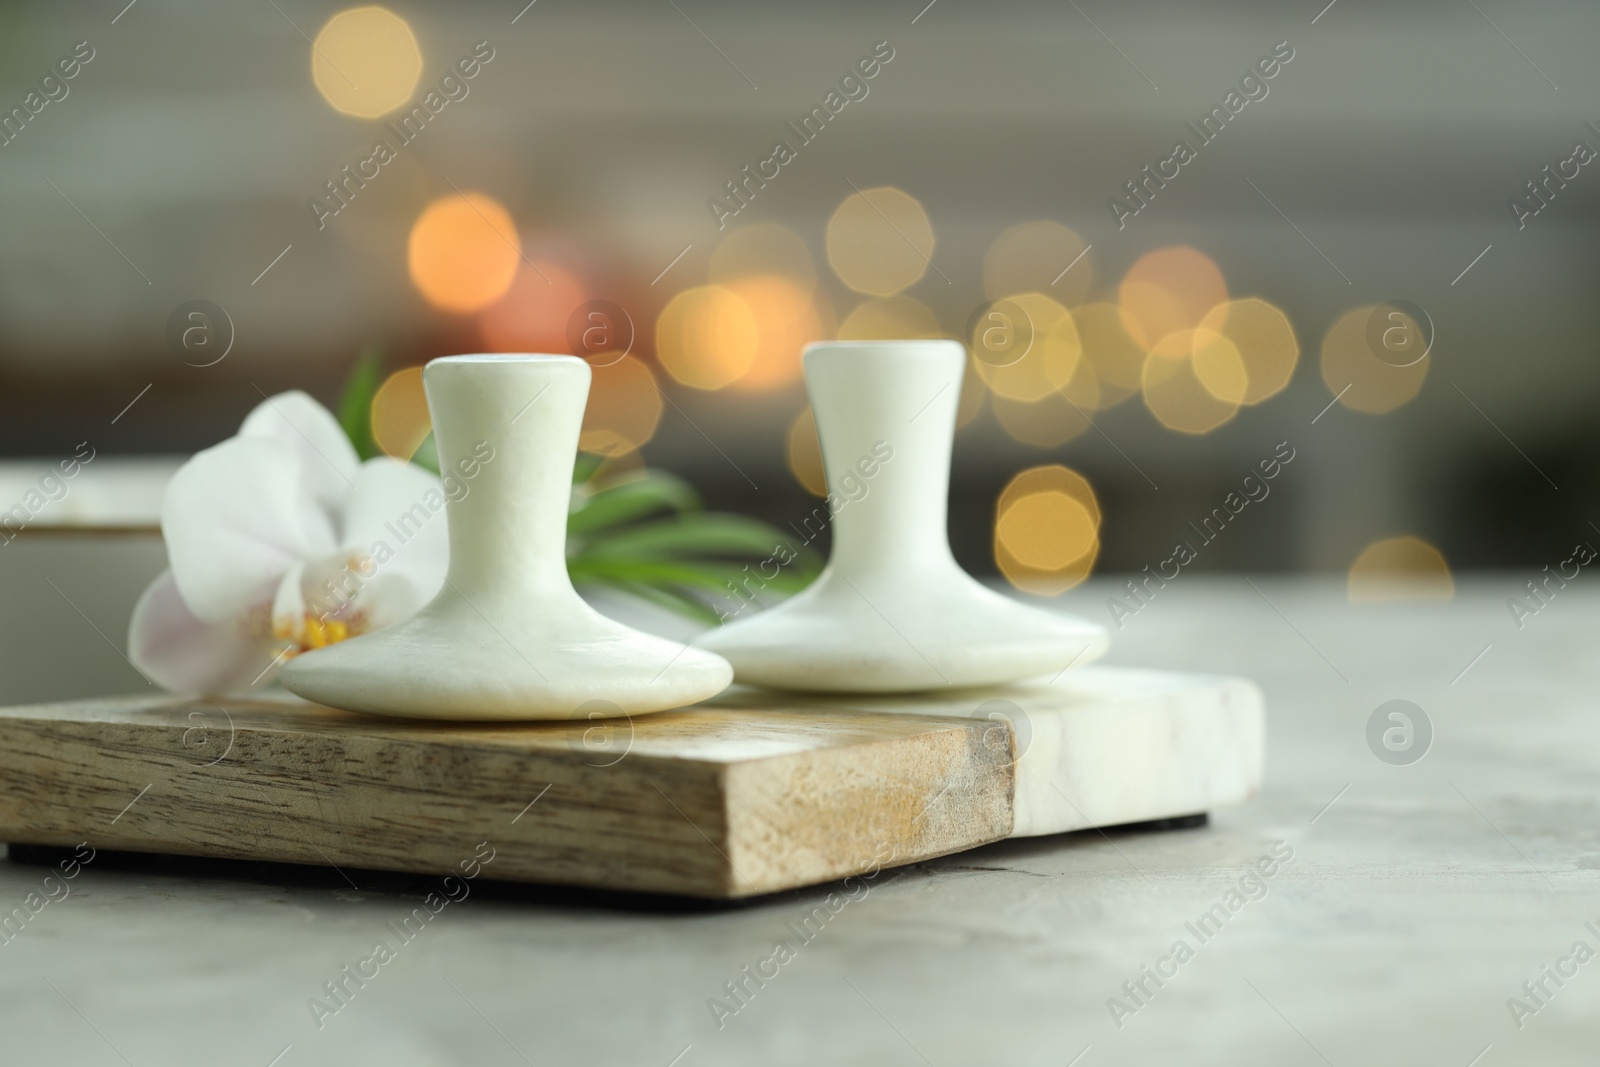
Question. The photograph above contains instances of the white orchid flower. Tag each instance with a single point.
(281, 540)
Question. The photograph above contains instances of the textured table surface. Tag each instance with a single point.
(1417, 900)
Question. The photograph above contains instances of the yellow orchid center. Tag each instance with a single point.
(311, 632)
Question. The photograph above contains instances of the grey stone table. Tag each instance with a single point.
(1415, 902)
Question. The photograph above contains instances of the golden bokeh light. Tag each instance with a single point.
(1117, 359)
(1219, 365)
(1184, 375)
(786, 321)
(399, 414)
(707, 337)
(365, 62)
(765, 248)
(880, 241)
(1265, 343)
(892, 318)
(1047, 530)
(1052, 478)
(624, 408)
(804, 452)
(463, 252)
(1032, 256)
(1357, 375)
(1054, 419)
(533, 314)
(1168, 290)
(1050, 360)
(1044, 582)
(1399, 569)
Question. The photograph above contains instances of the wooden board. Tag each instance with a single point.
(718, 803)
(751, 793)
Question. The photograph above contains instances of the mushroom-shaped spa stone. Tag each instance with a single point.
(892, 611)
(507, 637)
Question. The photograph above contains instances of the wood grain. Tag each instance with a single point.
(718, 803)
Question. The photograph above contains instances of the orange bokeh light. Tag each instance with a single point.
(1358, 375)
(1051, 358)
(624, 408)
(1398, 569)
(804, 452)
(1047, 530)
(1117, 359)
(463, 252)
(1266, 347)
(707, 337)
(1168, 290)
(533, 314)
(1192, 381)
(786, 321)
(365, 61)
(399, 414)
(880, 241)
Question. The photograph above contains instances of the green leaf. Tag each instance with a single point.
(663, 596)
(585, 467)
(679, 561)
(632, 499)
(427, 454)
(712, 577)
(693, 534)
(679, 577)
(791, 579)
(355, 405)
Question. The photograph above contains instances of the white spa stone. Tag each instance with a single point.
(892, 611)
(508, 637)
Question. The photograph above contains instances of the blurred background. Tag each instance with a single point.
(1375, 253)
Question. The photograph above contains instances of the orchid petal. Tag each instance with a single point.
(397, 538)
(289, 606)
(236, 517)
(328, 461)
(180, 652)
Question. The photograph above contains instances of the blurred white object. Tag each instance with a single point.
(893, 611)
(508, 637)
(121, 493)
